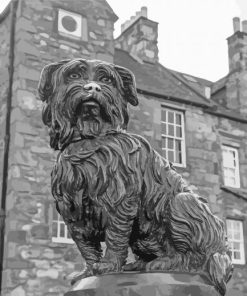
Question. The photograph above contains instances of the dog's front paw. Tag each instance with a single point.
(138, 265)
(105, 267)
(76, 276)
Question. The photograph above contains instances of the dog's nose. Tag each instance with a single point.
(92, 87)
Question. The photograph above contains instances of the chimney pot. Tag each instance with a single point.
(144, 11)
(244, 26)
(236, 24)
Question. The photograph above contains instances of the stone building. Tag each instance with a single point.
(198, 125)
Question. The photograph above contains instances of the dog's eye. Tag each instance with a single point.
(106, 79)
(74, 75)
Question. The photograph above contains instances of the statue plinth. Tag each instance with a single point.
(144, 284)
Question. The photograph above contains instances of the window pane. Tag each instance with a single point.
(164, 153)
(236, 246)
(164, 142)
(170, 143)
(170, 130)
(163, 128)
(171, 156)
(236, 255)
(178, 157)
(170, 117)
(178, 131)
(228, 160)
(229, 235)
(178, 119)
(163, 115)
(237, 235)
(54, 229)
(229, 224)
(62, 232)
(178, 145)
(236, 225)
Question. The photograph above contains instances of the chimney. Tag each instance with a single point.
(244, 26)
(237, 46)
(139, 37)
(236, 24)
(236, 80)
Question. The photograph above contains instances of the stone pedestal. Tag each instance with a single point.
(144, 284)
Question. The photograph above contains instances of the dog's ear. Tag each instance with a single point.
(129, 85)
(46, 83)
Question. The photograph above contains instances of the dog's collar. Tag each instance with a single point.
(78, 137)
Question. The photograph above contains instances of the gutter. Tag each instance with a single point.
(13, 10)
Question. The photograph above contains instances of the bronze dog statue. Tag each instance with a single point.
(110, 185)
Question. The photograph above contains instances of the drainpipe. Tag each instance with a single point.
(13, 9)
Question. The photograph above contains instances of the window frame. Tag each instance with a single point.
(182, 139)
(83, 25)
(237, 172)
(59, 221)
(242, 260)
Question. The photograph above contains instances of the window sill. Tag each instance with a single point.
(62, 240)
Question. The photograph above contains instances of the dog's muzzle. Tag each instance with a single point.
(90, 105)
(92, 88)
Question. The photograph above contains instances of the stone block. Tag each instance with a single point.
(19, 140)
(20, 185)
(26, 128)
(40, 231)
(11, 250)
(51, 273)
(17, 236)
(101, 22)
(17, 115)
(28, 73)
(19, 264)
(26, 99)
(41, 263)
(41, 149)
(24, 157)
(28, 252)
(26, 47)
(26, 25)
(19, 291)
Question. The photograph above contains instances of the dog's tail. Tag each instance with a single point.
(220, 270)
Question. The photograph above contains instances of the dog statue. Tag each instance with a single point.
(111, 186)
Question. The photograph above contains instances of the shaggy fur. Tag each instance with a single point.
(112, 186)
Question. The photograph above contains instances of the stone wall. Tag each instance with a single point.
(34, 265)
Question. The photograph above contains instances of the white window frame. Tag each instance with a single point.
(182, 139)
(235, 168)
(59, 221)
(230, 233)
(81, 31)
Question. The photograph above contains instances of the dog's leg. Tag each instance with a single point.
(89, 249)
(196, 239)
(117, 237)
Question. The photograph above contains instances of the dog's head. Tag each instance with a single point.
(85, 98)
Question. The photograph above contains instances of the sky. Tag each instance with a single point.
(192, 33)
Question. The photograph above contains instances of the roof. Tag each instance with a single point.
(219, 84)
(160, 81)
(238, 192)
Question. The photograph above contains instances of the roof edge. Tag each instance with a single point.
(207, 102)
(230, 190)
(5, 12)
